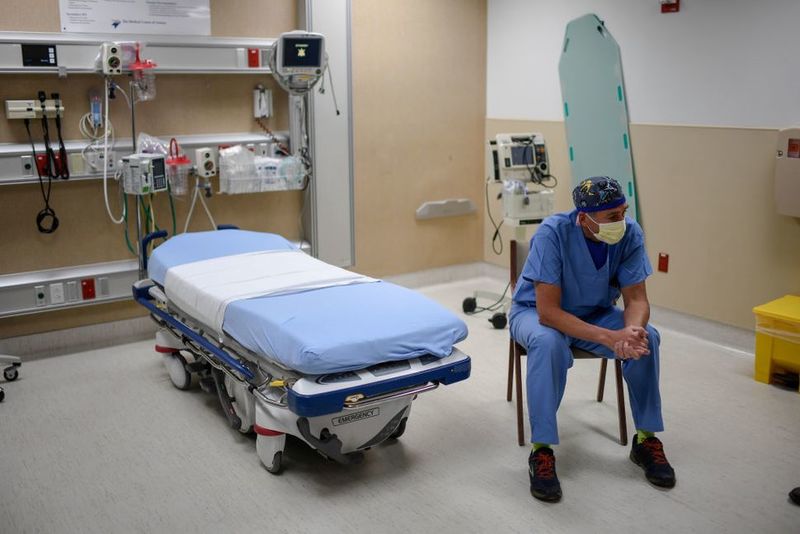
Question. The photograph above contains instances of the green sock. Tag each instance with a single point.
(642, 435)
(537, 446)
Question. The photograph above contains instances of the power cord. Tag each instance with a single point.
(47, 212)
(62, 171)
(333, 89)
(497, 237)
(50, 156)
(268, 131)
(108, 90)
(469, 302)
(499, 319)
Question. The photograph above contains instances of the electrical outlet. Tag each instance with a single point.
(95, 161)
(27, 165)
(102, 283)
(39, 296)
(72, 291)
(663, 262)
(57, 293)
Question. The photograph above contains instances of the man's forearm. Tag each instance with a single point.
(637, 313)
(573, 326)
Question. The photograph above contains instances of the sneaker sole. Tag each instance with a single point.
(545, 497)
(661, 484)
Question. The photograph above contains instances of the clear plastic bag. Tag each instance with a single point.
(148, 144)
(241, 171)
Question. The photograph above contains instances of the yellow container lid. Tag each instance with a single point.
(787, 308)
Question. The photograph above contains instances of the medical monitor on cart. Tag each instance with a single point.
(300, 53)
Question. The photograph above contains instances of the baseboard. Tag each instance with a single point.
(451, 273)
(732, 337)
(79, 339)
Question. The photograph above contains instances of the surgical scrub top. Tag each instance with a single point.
(560, 256)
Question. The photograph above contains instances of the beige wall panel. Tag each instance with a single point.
(706, 198)
(189, 104)
(252, 18)
(418, 106)
(61, 319)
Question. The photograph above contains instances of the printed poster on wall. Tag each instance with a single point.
(162, 17)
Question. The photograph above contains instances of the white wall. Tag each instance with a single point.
(716, 63)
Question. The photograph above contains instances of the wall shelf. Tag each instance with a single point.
(76, 53)
(14, 156)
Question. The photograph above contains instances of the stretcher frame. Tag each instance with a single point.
(338, 414)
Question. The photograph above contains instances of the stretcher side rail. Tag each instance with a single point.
(141, 294)
(335, 401)
(303, 405)
(366, 402)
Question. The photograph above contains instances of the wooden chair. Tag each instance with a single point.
(519, 252)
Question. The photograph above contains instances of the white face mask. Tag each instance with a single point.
(610, 233)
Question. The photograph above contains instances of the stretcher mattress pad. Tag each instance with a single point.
(317, 330)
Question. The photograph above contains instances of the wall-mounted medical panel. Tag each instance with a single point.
(16, 159)
(51, 289)
(70, 287)
(77, 53)
(787, 172)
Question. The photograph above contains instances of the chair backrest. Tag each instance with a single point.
(519, 253)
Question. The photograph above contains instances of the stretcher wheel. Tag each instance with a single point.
(10, 373)
(270, 451)
(277, 463)
(180, 377)
(400, 430)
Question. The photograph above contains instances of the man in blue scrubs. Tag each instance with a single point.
(580, 263)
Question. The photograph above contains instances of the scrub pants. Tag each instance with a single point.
(549, 358)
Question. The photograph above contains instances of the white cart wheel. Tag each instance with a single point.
(276, 466)
(400, 430)
(176, 366)
(270, 451)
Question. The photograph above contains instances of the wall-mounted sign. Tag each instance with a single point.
(173, 17)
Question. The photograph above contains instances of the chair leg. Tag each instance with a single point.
(518, 378)
(623, 422)
(510, 369)
(601, 387)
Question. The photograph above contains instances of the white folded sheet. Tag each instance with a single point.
(205, 288)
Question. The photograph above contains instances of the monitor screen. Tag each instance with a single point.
(521, 156)
(302, 52)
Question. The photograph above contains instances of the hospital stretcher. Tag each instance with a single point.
(337, 366)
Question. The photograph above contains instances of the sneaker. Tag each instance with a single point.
(542, 472)
(795, 495)
(649, 455)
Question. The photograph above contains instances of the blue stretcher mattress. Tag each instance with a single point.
(320, 331)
